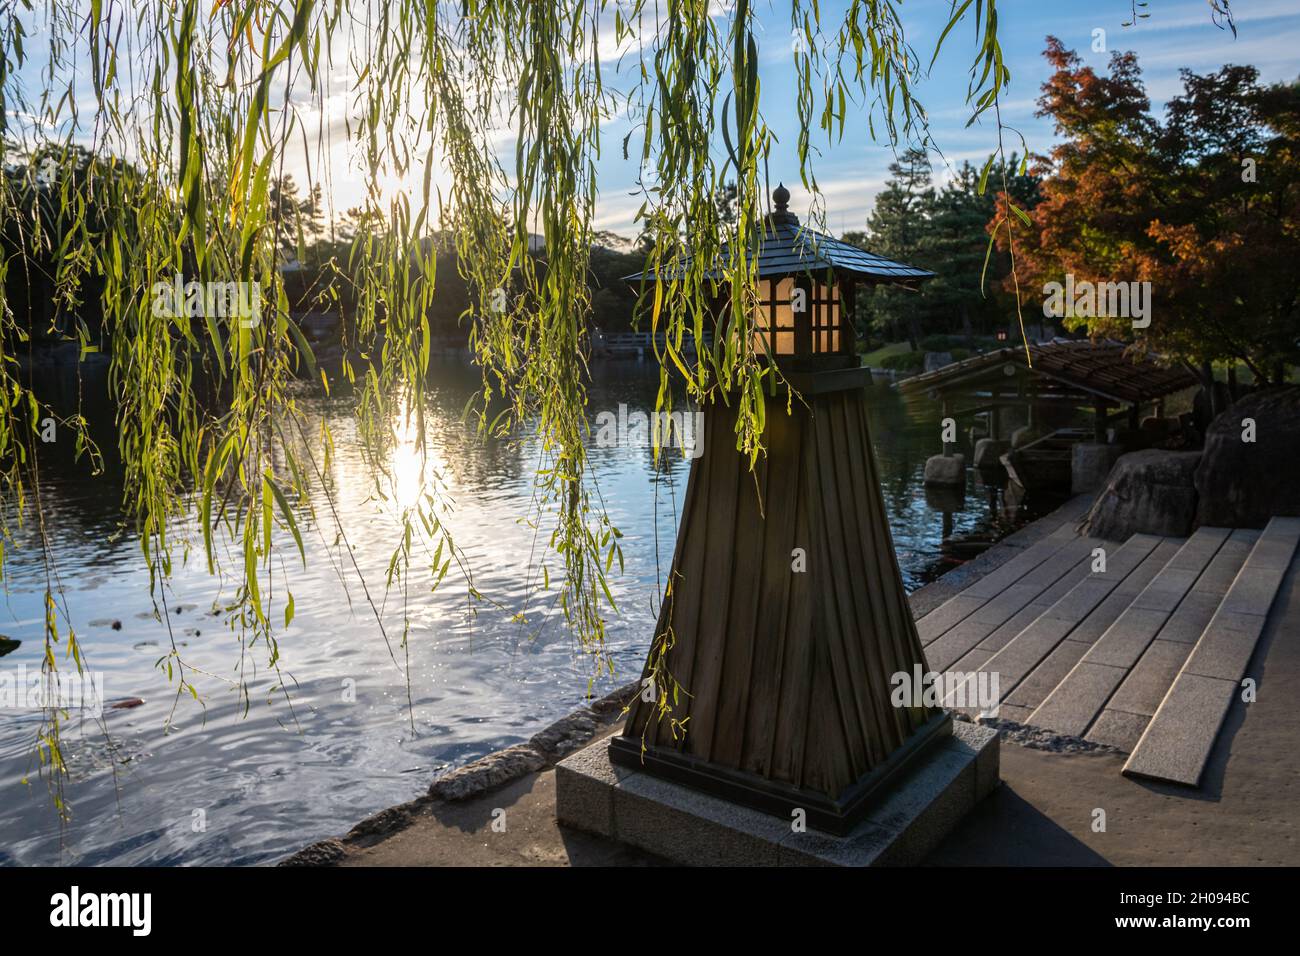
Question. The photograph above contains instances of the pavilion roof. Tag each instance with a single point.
(1108, 370)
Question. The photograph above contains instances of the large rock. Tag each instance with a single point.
(1090, 463)
(1241, 484)
(1149, 492)
(488, 772)
(945, 470)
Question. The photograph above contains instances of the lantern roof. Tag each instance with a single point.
(788, 248)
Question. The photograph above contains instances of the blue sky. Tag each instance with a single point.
(1178, 34)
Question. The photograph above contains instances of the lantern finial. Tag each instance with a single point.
(781, 197)
(781, 214)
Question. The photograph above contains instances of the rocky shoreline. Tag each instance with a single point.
(547, 747)
(544, 749)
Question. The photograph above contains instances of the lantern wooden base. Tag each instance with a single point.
(787, 620)
(838, 815)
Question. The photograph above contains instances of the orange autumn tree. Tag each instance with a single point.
(1205, 207)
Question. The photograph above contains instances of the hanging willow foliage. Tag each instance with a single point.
(141, 141)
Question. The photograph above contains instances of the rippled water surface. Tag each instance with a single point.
(328, 738)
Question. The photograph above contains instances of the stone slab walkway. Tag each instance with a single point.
(1177, 743)
(1144, 655)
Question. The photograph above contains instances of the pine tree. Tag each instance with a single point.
(954, 245)
(895, 230)
(942, 230)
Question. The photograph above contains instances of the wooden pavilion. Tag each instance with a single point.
(1107, 377)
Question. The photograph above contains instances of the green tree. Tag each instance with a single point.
(1227, 226)
(895, 229)
(965, 296)
(941, 230)
(1205, 207)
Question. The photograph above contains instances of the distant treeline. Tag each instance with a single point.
(314, 268)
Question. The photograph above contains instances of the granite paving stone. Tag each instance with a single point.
(1125, 640)
(1042, 680)
(1178, 740)
(1117, 729)
(1077, 700)
(1147, 683)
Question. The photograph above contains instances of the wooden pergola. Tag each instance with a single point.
(1107, 376)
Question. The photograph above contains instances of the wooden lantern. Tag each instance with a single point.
(785, 617)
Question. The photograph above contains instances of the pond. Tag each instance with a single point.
(329, 736)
